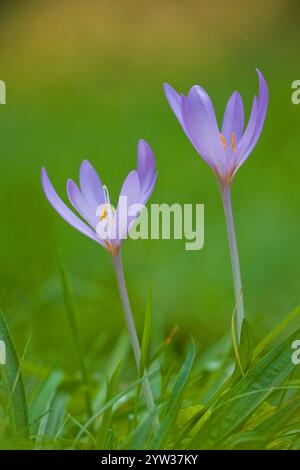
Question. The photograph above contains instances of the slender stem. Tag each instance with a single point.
(85, 380)
(237, 281)
(132, 333)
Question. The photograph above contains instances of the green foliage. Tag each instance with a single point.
(174, 400)
(257, 406)
(146, 336)
(103, 433)
(41, 402)
(86, 108)
(269, 374)
(15, 405)
(72, 315)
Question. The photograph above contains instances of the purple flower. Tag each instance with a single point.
(98, 219)
(226, 150)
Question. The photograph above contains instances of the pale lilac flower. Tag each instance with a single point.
(227, 149)
(224, 150)
(92, 203)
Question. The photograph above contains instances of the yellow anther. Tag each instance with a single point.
(233, 142)
(223, 141)
(111, 220)
(103, 213)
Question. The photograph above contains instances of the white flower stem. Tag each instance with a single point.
(237, 281)
(133, 334)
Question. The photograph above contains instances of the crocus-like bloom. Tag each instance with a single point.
(101, 222)
(226, 150)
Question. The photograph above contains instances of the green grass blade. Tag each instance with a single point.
(144, 350)
(138, 438)
(13, 384)
(108, 405)
(255, 354)
(267, 431)
(175, 399)
(73, 319)
(279, 328)
(102, 436)
(52, 421)
(43, 397)
(146, 336)
(243, 351)
(248, 394)
(296, 444)
(235, 342)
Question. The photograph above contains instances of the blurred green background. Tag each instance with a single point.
(84, 80)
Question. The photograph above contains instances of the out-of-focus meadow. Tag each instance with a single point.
(85, 80)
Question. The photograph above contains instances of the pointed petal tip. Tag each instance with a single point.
(261, 78)
(167, 88)
(143, 146)
(237, 95)
(146, 165)
(263, 95)
(70, 187)
(143, 143)
(134, 178)
(193, 90)
(197, 92)
(196, 89)
(85, 163)
(237, 98)
(132, 174)
(145, 153)
(171, 94)
(70, 184)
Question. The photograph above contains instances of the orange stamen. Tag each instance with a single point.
(103, 214)
(223, 141)
(233, 142)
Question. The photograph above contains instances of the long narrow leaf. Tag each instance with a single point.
(146, 336)
(175, 399)
(276, 331)
(13, 384)
(267, 431)
(72, 315)
(107, 415)
(245, 397)
(43, 397)
(107, 405)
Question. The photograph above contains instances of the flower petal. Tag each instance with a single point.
(146, 169)
(256, 122)
(91, 186)
(175, 101)
(79, 203)
(233, 120)
(64, 210)
(236, 158)
(200, 121)
(248, 134)
(131, 190)
(147, 194)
